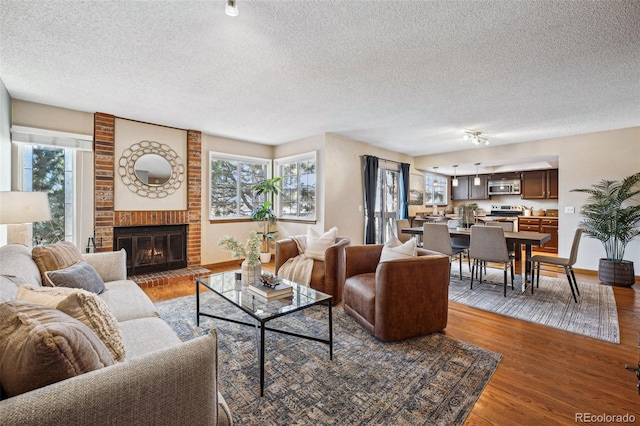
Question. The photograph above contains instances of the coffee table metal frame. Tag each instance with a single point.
(262, 311)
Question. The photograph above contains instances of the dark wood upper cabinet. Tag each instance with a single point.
(505, 176)
(460, 192)
(479, 192)
(466, 190)
(540, 184)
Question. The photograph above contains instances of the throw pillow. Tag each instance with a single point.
(317, 244)
(40, 346)
(81, 275)
(84, 306)
(55, 256)
(394, 250)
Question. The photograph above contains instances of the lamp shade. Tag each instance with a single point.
(23, 207)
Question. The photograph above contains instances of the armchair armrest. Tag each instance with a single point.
(411, 297)
(110, 265)
(361, 259)
(177, 385)
(285, 250)
(334, 261)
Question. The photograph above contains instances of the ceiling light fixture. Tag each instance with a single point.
(475, 137)
(454, 181)
(476, 180)
(435, 181)
(231, 8)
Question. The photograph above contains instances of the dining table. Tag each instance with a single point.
(515, 238)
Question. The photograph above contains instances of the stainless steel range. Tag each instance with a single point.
(506, 212)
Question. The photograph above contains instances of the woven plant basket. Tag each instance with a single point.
(618, 273)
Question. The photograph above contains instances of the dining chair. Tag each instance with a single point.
(566, 263)
(507, 227)
(400, 225)
(488, 244)
(435, 237)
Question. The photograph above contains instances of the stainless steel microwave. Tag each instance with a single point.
(504, 187)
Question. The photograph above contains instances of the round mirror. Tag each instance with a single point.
(152, 169)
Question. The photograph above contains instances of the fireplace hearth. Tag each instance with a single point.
(152, 248)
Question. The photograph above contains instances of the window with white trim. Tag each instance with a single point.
(436, 189)
(231, 180)
(298, 197)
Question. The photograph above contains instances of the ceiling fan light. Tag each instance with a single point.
(231, 8)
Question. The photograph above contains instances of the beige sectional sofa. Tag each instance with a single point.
(163, 381)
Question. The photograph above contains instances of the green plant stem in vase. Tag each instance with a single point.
(268, 188)
(250, 251)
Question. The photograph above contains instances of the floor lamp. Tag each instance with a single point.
(18, 210)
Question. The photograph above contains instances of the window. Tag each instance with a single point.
(48, 169)
(298, 197)
(436, 189)
(232, 178)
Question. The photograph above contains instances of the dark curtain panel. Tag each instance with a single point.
(404, 190)
(370, 178)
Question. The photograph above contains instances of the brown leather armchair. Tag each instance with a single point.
(399, 299)
(327, 276)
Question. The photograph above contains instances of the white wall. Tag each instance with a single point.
(583, 160)
(5, 149)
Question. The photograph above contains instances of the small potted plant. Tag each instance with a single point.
(250, 251)
(612, 215)
(264, 213)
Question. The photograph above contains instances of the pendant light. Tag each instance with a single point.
(231, 8)
(476, 180)
(435, 181)
(454, 181)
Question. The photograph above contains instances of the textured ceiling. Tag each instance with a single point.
(408, 76)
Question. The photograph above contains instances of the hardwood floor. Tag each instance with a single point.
(546, 376)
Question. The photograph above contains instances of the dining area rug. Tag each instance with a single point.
(431, 380)
(595, 315)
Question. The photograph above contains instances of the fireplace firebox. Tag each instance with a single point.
(152, 248)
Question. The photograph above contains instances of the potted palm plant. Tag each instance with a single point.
(264, 213)
(612, 215)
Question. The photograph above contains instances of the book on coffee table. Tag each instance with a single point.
(281, 291)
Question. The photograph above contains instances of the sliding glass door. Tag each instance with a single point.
(387, 204)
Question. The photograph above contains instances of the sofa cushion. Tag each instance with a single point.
(55, 256)
(110, 265)
(40, 346)
(317, 244)
(84, 306)
(127, 301)
(81, 275)
(145, 335)
(394, 250)
(16, 262)
(8, 288)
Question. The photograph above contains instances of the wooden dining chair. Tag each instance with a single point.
(566, 263)
(435, 237)
(488, 244)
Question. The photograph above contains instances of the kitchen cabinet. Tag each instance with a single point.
(546, 225)
(540, 184)
(506, 176)
(466, 190)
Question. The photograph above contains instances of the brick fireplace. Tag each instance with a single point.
(106, 218)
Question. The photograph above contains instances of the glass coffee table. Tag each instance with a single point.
(225, 285)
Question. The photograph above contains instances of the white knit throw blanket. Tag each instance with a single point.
(298, 269)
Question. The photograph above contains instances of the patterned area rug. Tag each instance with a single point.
(595, 315)
(432, 380)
